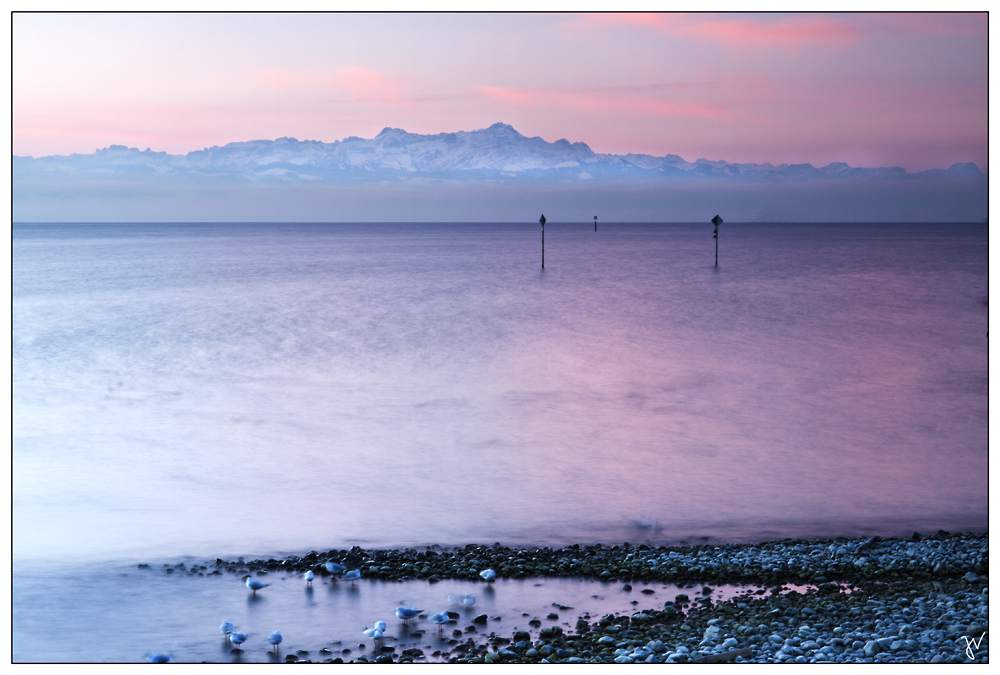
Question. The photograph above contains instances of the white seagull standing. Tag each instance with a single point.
(351, 576)
(441, 618)
(334, 568)
(466, 600)
(376, 634)
(238, 639)
(275, 640)
(309, 576)
(227, 629)
(407, 613)
(488, 575)
(255, 585)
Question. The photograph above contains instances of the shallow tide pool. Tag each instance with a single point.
(118, 614)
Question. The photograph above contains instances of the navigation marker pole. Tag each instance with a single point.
(716, 221)
(542, 221)
(595, 223)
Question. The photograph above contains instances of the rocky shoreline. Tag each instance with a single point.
(917, 600)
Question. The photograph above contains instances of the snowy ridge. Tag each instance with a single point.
(496, 153)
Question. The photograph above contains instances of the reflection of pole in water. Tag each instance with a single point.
(716, 221)
(542, 221)
(595, 223)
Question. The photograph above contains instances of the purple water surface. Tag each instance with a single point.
(241, 389)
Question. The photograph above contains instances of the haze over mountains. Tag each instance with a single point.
(489, 175)
(498, 153)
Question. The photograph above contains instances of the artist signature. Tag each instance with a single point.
(969, 642)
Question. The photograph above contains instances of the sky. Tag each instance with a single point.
(871, 90)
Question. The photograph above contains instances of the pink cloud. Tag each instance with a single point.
(359, 84)
(948, 96)
(922, 22)
(362, 83)
(790, 33)
(603, 100)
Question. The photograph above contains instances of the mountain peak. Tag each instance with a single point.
(500, 127)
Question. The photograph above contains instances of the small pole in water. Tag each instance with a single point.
(595, 223)
(716, 221)
(542, 221)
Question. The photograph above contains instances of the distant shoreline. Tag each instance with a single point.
(768, 563)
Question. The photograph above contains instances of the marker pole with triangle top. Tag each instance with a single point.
(716, 221)
(542, 221)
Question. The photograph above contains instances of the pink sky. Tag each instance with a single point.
(869, 89)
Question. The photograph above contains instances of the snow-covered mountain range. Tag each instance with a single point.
(496, 153)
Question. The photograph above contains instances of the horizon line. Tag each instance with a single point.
(548, 221)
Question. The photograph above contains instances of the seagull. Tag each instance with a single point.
(463, 600)
(227, 629)
(407, 613)
(352, 575)
(380, 625)
(376, 634)
(239, 638)
(441, 618)
(157, 658)
(275, 640)
(309, 577)
(255, 585)
(488, 575)
(334, 568)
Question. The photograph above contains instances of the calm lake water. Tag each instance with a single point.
(223, 390)
(242, 389)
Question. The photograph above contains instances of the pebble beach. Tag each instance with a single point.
(922, 599)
